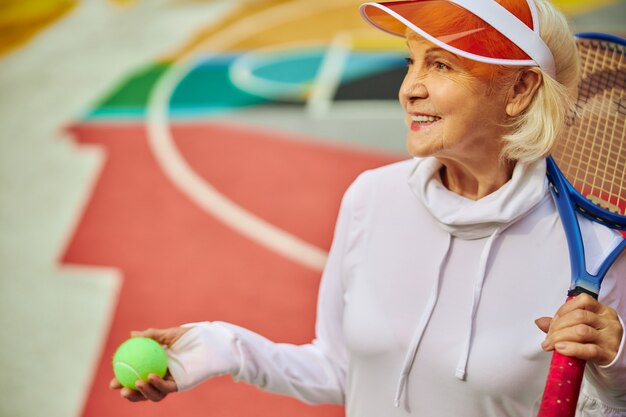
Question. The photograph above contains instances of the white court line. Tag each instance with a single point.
(193, 185)
(329, 76)
(241, 72)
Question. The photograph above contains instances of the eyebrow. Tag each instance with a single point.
(443, 51)
(438, 49)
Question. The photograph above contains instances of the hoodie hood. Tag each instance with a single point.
(469, 219)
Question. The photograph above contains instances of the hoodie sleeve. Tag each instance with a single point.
(313, 373)
(604, 391)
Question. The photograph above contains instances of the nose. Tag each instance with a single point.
(413, 86)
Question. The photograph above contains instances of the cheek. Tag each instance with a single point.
(461, 99)
(445, 99)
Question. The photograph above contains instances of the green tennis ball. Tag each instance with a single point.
(137, 358)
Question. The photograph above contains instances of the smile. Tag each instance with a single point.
(421, 118)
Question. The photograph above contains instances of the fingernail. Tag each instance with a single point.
(544, 344)
(560, 345)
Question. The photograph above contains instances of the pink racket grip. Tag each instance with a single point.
(560, 395)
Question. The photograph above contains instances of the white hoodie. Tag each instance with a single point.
(427, 306)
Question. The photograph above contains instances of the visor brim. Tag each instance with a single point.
(460, 31)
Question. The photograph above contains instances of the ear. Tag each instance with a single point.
(523, 91)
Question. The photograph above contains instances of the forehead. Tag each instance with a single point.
(416, 44)
(415, 41)
(480, 69)
(412, 37)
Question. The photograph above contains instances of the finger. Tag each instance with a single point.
(132, 395)
(115, 384)
(578, 317)
(166, 386)
(543, 323)
(582, 301)
(585, 351)
(580, 333)
(149, 391)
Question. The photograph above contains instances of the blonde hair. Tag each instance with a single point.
(535, 130)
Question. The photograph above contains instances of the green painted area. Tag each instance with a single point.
(361, 64)
(131, 95)
(295, 66)
(208, 88)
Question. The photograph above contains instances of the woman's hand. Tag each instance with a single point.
(156, 388)
(585, 329)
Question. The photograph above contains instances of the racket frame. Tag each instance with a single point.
(565, 374)
(569, 202)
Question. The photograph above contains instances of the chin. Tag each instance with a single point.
(418, 151)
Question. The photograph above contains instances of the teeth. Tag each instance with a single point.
(424, 119)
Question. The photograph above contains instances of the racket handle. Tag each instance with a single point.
(565, 376)
(560, 395)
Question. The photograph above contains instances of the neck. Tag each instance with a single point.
(475, 181)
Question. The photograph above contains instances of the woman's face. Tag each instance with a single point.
(451, 111)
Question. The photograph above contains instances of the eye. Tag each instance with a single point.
(409, 61)
(441, 66)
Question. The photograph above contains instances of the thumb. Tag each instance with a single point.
(163, 336)
(159, 335)
(543, 323)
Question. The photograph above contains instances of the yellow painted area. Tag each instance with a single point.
(123, 3)
(196, 42)
(576, 7)
(263, 24)
(282, 22)
(20, 20)
(373, 40)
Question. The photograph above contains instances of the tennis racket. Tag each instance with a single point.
(587, 173)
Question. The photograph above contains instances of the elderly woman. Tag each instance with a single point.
(441, 264)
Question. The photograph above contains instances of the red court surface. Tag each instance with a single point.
(179, 264)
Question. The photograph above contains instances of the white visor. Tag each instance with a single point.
(481, 30)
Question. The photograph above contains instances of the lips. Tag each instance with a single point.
(419, 121)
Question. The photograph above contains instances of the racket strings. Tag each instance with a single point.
(591, 151)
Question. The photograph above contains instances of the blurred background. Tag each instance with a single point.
(171, 161)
